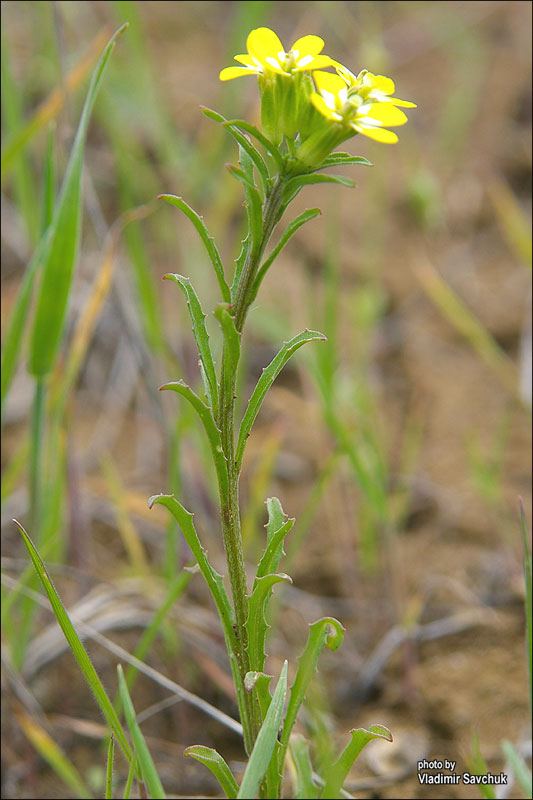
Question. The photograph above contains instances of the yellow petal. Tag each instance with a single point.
(387, 114)
(319, 62)
(249, 62)
(235, 72)
(329, 82)
(381, 83)
(404, 103)
(308, 45)
(344, 72)
(380, 135)
(262, 42)
(321, 105)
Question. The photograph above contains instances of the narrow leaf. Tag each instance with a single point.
(326, 632)
(78, 650)
(148, 769)
(213, 433)
(360, 737)
(62, 250)
(339, 159)
(288, 233)
(201, 336)
(246, 126)
(519, 767)
(239, 264)
(109, 769)
(266, 740)
(293, 186)
(207, 239)
(278, 526)
(264, 383)
(214, 761)
(305, 787)
(232, 337)
(256, 623)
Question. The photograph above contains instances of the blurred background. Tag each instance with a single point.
(401, 445)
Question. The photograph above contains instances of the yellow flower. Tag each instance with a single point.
(266, 56)
(370, 87)
(362, 114)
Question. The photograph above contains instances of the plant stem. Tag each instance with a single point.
(230, 512)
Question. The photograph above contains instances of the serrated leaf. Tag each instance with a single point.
(207, 239)
(239, 264)
(213, 433)
(293, 186)
(360, 737)
(60, 256)
(256, 623)
(77, 648)
(145, 761)
(264, 383)
(306, 789)
(232, 337)
(214, 762)
(278, 526)
(288, 233)
(266, 740)
(325, 632)
(201, 336)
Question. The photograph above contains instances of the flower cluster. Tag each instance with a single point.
(312, 109)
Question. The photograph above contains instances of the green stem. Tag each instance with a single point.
(230, 512)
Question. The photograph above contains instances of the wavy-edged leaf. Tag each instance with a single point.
(213, 433)
(264, 383)
(293, 186)
(256, 624)
(291, 229)
(145, 761)
(306, 789)
(266, 740)
(232, 337)
(360, 737)
(61, 253)
(78, 650)
(207, 239)
(213, 579)
(341, 158)
(214, 762)
(201, 336)
(278, 526)
(325, 632)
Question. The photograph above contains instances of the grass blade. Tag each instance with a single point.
(146, 764)
(61, 252)
(529, 592)
(266, 740)
(207, 239)
(264, 383)
(201, 337)
(519, 767)
(54, 756)
(78, 650)
(109, 769)
(214, 761)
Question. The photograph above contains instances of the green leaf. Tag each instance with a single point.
(339, 770)
(242, 175)
(62, 250)
(253, 155)
(232, 337)
(109, 769)
(256, 624)
(288, 233)
(213, 433)
(78, 650)
(519, 767)
(239, 264)
(214, 761)
(266, 740)
(339, 159)
(201, 336)
(278, 526)
(48, 194)
(528, 586)
(325, 632)
(264, 383)
(293, 186)
(305, 787)
(207, 239)
(231, 124)
(211, 576)
(148, 769)
(260, 683)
